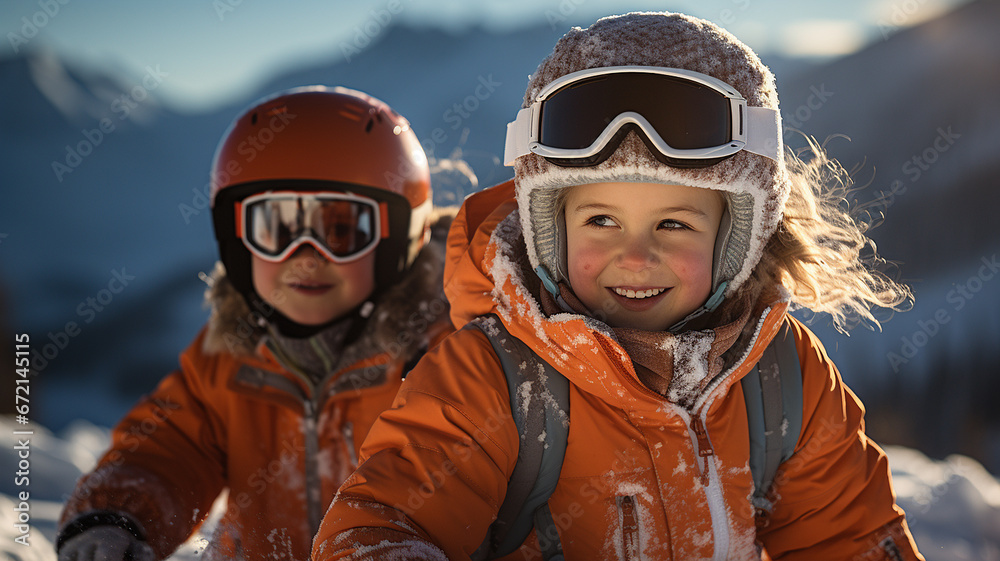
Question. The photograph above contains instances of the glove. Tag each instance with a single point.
(106, 543)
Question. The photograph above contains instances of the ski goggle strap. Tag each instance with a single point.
(689, 119)
(342, 226)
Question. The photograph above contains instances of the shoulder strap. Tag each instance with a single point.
(773, 394)
(539, 403)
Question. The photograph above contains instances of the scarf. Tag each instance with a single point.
(677, 366)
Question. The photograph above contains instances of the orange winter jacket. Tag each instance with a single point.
(638, 481)
(234, 416)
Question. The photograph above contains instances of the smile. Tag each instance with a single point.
(310, 287)
(638, 294)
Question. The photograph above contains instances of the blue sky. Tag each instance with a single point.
(214, 50)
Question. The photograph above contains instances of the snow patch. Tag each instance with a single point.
(524, 396)
(691, 366)
(399, 551)
(681, 465)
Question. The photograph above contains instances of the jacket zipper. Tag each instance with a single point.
(707, 468)
(630, 527)
(310, 422)
(705, 450)
(314, 486)
(713, 489)
(712, 485)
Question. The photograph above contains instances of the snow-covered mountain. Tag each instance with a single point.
(104, 225)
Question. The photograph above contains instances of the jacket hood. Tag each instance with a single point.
(491, 272)
(234, 328)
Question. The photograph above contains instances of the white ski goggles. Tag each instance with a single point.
(687, 119)
(341, 226)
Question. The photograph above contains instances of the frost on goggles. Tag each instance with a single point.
(686, 119)
(343, 227)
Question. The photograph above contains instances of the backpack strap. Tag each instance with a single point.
(539, 398)
(773, 395)
(539, 403)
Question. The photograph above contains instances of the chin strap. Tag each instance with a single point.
(708, 307)
(547, 281)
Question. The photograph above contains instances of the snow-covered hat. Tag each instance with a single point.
(755, 186)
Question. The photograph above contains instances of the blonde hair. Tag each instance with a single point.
(821, 251)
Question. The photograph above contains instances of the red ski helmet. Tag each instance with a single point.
(320, 139)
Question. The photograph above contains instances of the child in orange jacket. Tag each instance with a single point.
(648, 249)
(329, 288)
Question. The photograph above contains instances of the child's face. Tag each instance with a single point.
(310, 289)
(627, 240)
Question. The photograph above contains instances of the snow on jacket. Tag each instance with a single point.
(235, 416)
(637, 481)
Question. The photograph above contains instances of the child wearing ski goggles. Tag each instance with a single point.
(328, 289)
(629, 384)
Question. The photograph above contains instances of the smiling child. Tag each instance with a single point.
(647, 251)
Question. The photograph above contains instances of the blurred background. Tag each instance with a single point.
(111, 111)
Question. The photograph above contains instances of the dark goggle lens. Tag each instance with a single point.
(685, 114)
(344, 227)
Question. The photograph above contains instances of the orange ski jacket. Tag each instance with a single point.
(642, 478)
(236, 417)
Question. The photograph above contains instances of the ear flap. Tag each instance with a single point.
(721, 244)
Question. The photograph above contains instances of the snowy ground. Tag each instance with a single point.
(953, 506)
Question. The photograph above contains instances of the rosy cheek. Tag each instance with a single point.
(694, 266)
(265, 276)
(585, 259)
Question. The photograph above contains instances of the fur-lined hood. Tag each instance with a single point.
(416, 300)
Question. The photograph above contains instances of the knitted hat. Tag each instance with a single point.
(755, 186)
